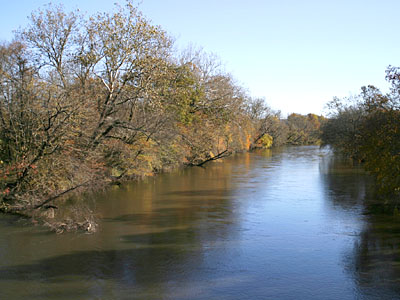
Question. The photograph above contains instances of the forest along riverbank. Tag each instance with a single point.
(283, 224)
(80, 109)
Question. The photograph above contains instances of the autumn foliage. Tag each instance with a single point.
(86, 102)
(366, 128)
(90, 101)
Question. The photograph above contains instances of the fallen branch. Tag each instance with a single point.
(59, 195)
(218, 156)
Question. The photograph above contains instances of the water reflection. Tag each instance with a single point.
(154, 237)
(347, 186)
(374, 260)
(279, 224)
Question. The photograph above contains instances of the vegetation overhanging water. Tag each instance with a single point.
(281, 224)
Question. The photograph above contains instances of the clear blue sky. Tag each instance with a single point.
(298, 54)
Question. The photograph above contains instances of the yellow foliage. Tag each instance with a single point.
(266, 141)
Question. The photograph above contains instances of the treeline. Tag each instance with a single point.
(366, 128)
(86, 102)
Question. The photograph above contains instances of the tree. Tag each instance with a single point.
(87, 102)
(269, 130)
(304, 129)
(67, 93)
(366, 128)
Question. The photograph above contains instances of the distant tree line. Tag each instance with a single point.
(85, 102)
(366, 128)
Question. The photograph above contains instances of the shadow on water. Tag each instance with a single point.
(155, 261)
(110, 264)
(230, 231)
(13, 221)
(125, 268)
(162, 246)
(374, 261)
(347, 186)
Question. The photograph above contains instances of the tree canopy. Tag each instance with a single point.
(366, 128)
(90, 101)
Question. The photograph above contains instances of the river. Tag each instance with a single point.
(277, 224)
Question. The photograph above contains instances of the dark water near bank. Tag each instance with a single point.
(286, 224)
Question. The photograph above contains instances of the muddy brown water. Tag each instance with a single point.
(277, 224)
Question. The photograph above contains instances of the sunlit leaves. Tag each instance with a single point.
(366, 128)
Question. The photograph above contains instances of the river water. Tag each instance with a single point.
(275, 224)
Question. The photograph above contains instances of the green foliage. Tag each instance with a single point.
(182, 94)
(342, 132)
(367, 129)
(380, 147)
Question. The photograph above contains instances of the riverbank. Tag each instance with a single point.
(246, 228)
(74, 121)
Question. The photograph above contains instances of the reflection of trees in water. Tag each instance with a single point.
(347, 186)
(165, 228)
(137, 268)
(374, 262)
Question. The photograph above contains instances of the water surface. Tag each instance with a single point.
(276, 224)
